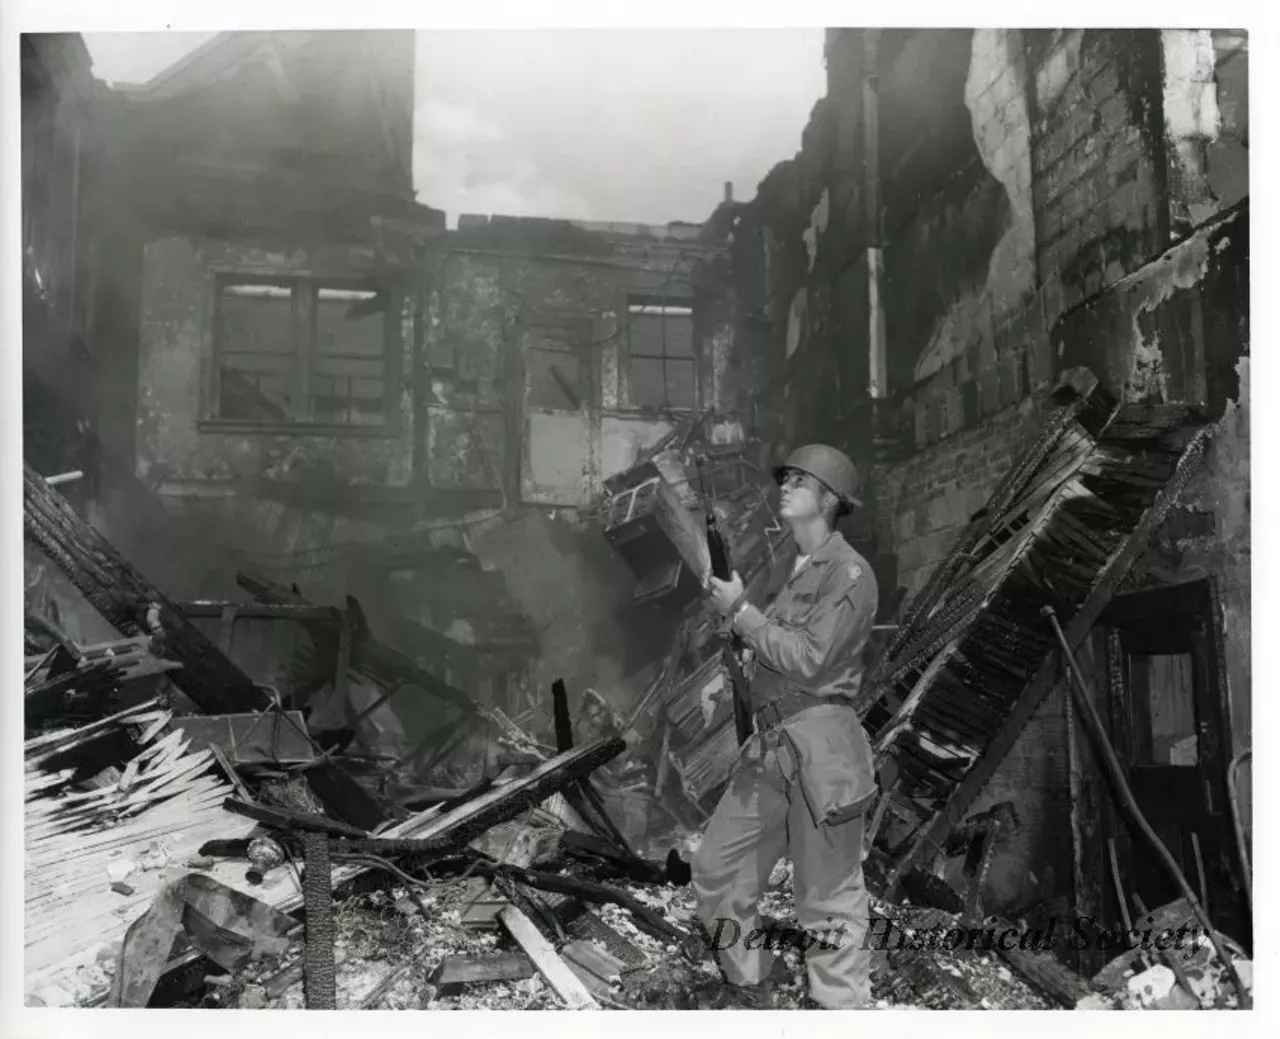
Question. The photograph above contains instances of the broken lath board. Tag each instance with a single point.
(975, 658)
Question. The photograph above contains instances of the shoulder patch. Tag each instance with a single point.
(855, 572)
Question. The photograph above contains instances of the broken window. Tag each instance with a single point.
(663, 365)
(301, 351)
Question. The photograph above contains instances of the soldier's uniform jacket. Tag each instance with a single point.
(808, 645)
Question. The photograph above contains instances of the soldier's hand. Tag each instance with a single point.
(725, 594)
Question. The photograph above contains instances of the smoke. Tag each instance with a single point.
(466, 163)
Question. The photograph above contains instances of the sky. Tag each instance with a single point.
(640, 125)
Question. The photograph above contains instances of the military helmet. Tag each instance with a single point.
(827, 465)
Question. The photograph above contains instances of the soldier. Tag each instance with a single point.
(804, 779)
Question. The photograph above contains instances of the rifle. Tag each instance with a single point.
(730, 643)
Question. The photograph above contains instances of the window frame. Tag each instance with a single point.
(685, 306)
(304, 286)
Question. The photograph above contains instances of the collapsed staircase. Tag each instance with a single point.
(974, 657)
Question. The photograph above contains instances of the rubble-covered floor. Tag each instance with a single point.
(384, 931)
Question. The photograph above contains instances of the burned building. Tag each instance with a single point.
(417, 513)
(971, 215)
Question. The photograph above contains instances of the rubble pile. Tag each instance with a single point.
(214, 851)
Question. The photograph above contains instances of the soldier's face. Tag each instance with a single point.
(801, 495)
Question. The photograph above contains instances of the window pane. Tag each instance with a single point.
(255, 396)
(343, 326)
(358, 367)
(257, 353)
(679, 335)
(680, 384)
(368, 390)
(648, 389)
(645, 332)
(257, 323)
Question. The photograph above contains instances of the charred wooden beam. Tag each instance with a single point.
(1076, 391)
(497, 805)
(387, 665)
(1042, 970)
(1046, 676)
(261, 611)
(647, 919)
(317, 882)
(124, 597)
(560, 711)
(282, 819)
(456, 972)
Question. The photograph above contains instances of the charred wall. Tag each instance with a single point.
(511, 393)
(1018, 185)
(530, 352)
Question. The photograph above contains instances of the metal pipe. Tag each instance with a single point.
(878, 381)
(1238, 823)
(1126, 798)
(1204, 885)
(1115, 879)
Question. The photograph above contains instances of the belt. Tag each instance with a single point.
(789, 703)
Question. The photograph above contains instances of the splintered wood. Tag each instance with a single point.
(117, 591)
(974, 658)
(99, 856)
(567, 985)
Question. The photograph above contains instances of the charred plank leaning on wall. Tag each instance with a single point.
(974, 658)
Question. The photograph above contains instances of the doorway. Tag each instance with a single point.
(1170, 726)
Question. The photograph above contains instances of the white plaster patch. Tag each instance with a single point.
(1190, 94)
(1002, 133)
(1181, 269)
(818, 220)
(795, 320)
(1188, 54)
(1058, 68)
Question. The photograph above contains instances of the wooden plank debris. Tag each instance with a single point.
(127, 599)
(973, 659)
(280, 889)
(542, 954)
(595, 967)
(284, 819)
(456, 972)
(499, 804)
(82, 849)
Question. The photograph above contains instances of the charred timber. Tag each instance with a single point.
(497, 805)
(123, 596)
(389, 666)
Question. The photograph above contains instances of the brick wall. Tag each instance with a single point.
(1036, 863)
(923, 503)
(1067, 193)
(1097, 159)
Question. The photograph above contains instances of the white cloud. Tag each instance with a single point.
(627, 125)
(466, 163)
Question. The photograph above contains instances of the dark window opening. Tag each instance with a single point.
(663, 364)
(302, 351)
